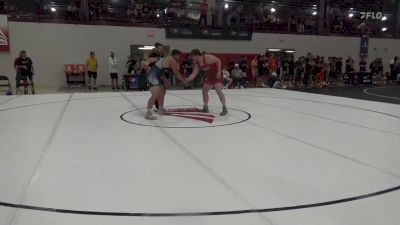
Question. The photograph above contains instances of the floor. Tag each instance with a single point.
(387, 93)
(280, 157)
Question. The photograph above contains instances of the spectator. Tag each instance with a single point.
(227, 77)
(272, 64)
(239, 78)
(103, 10)
(377, 72)
(3, 6)
(243, 64)
(309, 68)
(142, 77)
(78, 7)
(23, 65)
(349, 65)
(131, 65)
(39, 7)
(320, 76)
(92, 65)
(291, 68)
(309, 24)
(92, 9)
(214, 16)
(113, 68)
(262, 70)
(393, 73)
(132, 10)
(203, 12)
(299, 72)
(254, 70)
(339, 66)
(285, 66)
(300, 23)
(332, 71)
(397, 71)
(362, 65)
(236, 16)
(146, 9)
(71, 11)
(97, 7)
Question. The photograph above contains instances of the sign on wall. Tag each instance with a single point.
(4, 40)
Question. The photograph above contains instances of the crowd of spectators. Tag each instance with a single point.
(6, 7)
(276, 70)
(341, 16)
(146, 12)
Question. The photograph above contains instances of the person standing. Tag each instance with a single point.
(113, 68)
(203, 12)
(23, 65)
(155, 55)
(363, 67)
(238, 77)
(397, 71)
(212, 65)
(142, 71)
(92, 65)
(158, 82)
(349, 65)
(131, 65)
(339, 66)
(254, 70)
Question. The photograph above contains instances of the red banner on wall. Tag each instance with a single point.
(4, 38)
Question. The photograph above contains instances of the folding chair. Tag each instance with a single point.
(75, 74)
(5, 82)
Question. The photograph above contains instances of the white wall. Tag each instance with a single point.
(52, 45)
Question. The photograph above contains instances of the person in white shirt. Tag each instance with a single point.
(227, 77)
(239, 78)
(113, 68)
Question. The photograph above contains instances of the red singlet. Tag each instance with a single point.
(211, 77)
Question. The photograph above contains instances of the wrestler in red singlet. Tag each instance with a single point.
(212, 70)
(212, 65)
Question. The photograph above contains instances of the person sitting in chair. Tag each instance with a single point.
(24, 67)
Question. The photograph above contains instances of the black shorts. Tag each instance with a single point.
(24, 77)
(114, 76)
(92, 74)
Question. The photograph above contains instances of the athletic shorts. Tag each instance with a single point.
(92, 74)
(114, 75)
(21, 77)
